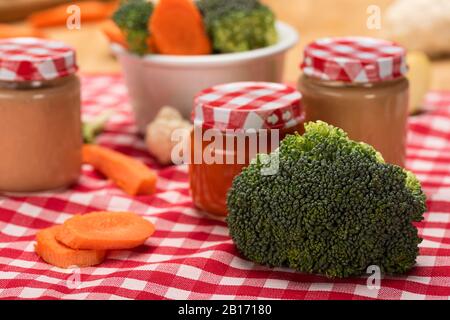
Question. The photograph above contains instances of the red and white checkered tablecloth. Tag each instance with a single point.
(191, 256)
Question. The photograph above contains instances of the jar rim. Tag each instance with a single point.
(34, 84)
(340, 83)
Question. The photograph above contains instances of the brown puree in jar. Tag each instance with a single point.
(40, 125)
(40, 134)
(359, 84)
(373, 113)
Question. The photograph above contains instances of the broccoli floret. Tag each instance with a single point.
(334, 207)
(238, 25)
(132, 18)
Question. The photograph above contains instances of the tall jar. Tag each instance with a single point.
(232, 123)
(359, 84)
(40, 123)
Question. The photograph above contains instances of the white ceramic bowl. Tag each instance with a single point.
(155, 81)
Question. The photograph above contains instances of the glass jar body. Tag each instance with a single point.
(211, 179)
(375, 113)
(40, 134)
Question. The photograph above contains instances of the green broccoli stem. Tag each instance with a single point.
(92, 129)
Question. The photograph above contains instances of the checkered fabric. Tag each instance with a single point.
(191, 256)
(248, 105)
(32, 59)
(354, 59)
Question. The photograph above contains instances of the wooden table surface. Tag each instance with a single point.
(312, 18)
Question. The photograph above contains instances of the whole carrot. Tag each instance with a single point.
(57, 16)
(13, 31)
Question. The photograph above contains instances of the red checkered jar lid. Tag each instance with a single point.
(248, 105)
(355, 60)
(32, 59)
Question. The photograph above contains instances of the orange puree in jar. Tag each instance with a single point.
(40, 125)
(232, 123)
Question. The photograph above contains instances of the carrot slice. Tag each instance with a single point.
(13, 31)
(57, 16)
(178, 29)
(129, 174)
(105, 231)
(57, 254)
(113, 33)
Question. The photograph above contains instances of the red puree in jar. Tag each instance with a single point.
(233, 122)
(359, 85)
(40, 125)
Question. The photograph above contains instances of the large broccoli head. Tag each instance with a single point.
(334, 207)
(132, 18)
(238, 25)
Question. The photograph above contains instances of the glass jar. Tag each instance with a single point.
(40, 122)
(228, 132)
(359, 85)
(210, 182)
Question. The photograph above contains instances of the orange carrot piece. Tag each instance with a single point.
(57, 254)
(129, 174)
(105, 231)
(152, 45)
(13, 31)
(178, 29)
(57, 16)
(113, 33)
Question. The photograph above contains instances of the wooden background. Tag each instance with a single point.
(321, 18)
(312, 18)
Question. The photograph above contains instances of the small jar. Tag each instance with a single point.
(232, 123)
(40, 123)
(359, 84)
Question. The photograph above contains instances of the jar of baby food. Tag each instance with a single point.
(40, 125)
(359, 85)
(233, 122)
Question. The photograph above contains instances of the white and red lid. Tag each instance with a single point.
(33, 59)
(354, 59)
(248, 105)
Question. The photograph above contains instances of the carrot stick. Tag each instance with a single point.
(129, 174)
(177, 28)
(13, 31)
(113, 33)
(57, 16)
(105, 231)
(57, 254)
